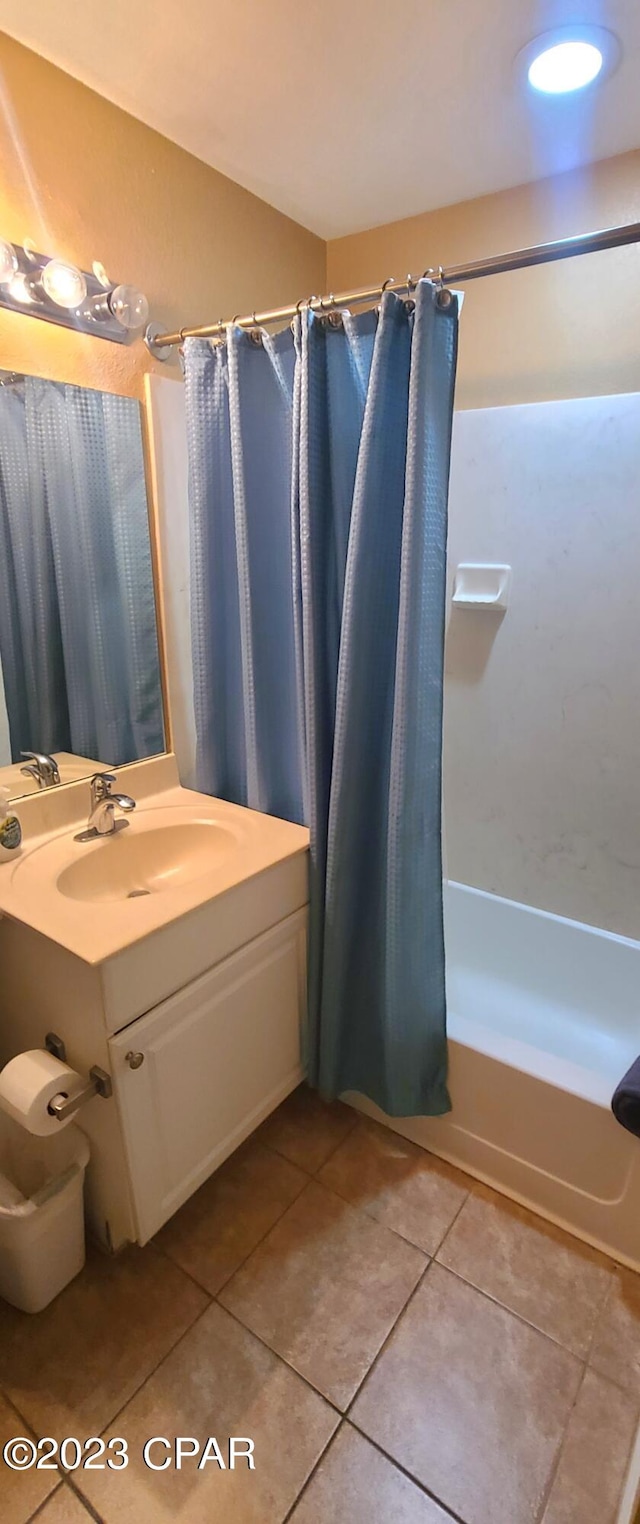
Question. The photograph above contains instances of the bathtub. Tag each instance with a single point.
(544, 1019)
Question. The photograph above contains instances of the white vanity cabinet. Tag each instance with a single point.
(191, 996)
(196, 1075)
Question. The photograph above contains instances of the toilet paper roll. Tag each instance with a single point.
(29, 1082)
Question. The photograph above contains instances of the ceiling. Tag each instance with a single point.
(346, 113)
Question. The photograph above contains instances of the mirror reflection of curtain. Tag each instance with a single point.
(78, 641)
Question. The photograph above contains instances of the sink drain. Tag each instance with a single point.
(136, 894)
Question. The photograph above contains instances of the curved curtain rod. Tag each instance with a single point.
(499, 264)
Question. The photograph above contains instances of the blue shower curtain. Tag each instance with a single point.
(319, 467)
(78, 642)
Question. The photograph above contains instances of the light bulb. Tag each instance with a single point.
(566, 66)
(20, 289)
(64, 284)
(129, 307)
(8, 262)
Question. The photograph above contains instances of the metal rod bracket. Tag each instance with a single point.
(98, 1083)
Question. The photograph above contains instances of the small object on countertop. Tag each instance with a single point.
(625, 1103)
(10, 828)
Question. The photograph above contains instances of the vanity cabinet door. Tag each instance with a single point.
(196, 1075)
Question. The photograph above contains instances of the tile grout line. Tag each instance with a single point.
(431, 1259)
(312, 1173)
(433, 1497)
(281, 1358)
(451, 1226)
(559, 1452)
(215, 1294)
(31, 1432)
(36, 1514)
(307, 1483)
(85, 1502)
(104, 1426)
(248, 1329)
(455, 1518)
(358, 1207)
(310, 1176)
(495, 1302)
(420, 1281)
(581, 1362)
(56, 1491)
(596, 1323)
(356, 1118)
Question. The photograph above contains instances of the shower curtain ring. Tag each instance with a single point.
(255, 333)
(384, 287)
(444, 297)
(409, 300)
(303, 302)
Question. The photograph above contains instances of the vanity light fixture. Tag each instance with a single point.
(20, 292)
(569, 58)
(59, 292)
(126, 304)
(8, 262)
(63, 284)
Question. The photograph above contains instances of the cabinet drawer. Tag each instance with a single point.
(212, 1061)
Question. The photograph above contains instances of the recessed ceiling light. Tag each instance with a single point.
(567, 59)
(566, 66)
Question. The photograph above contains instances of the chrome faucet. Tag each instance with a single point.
(42, 767)
(102, 821)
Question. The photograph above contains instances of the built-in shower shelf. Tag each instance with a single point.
(481, 586)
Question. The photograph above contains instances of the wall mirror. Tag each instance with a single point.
(80, 676)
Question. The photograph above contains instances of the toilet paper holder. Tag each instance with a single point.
(98, 1083)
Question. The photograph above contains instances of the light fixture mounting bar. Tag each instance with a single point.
(25, 295)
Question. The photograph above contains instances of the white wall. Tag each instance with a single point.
(542, 708)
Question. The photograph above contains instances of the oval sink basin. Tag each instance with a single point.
(132, 865)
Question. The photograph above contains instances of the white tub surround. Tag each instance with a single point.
(544, 1019)
(542, 703)
(191, 994)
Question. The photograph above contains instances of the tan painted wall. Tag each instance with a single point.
(86, 181)
(564, 330)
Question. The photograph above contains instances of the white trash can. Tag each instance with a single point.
(41, 1213)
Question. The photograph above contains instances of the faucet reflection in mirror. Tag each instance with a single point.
(79, 664)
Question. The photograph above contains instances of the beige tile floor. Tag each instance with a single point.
(403, 1346)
